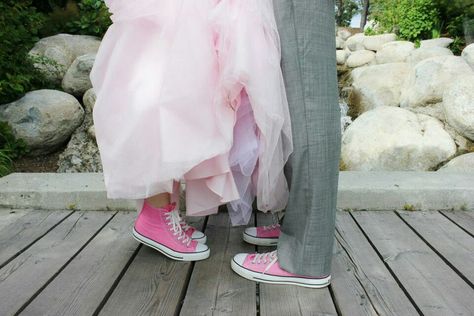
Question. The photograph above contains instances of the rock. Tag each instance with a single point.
(82, 153)
(62, 49)
(91, 131)
(375, 42)
(468, 55)
(340, 43)
(360, 58)
(458, 105)
(341, 56)
(420, 54)
(394, 52)
(391, 138)
(343, 34)
(45, 119)
(356, 42)
(428, 79)
(76, 81)
(88, 100)
(436, 42)
(460, 163)
(379, 85)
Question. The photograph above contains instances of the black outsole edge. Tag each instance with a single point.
(166, 254)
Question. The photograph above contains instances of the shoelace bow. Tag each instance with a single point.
(173, 218)
(266, 257)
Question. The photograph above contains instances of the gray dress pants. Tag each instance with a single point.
(307, 35)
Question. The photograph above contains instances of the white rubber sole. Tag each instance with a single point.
(260, 241)
(170, 253)
(266, 278)
(202, 240)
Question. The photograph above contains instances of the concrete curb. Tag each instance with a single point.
(358, 190)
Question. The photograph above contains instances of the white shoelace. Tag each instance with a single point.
(274, 225)
(270, 227)
(266, 257)
(173, 219)
(183, 223)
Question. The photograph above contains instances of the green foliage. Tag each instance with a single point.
(344, 14)
(19, 25)
(10, 148)
(89, 17)
(417, 20)
(410, 19)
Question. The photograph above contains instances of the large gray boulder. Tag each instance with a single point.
(460, 163)
(468, 55)
(458, 105)
(45, 119)
(436, 42)
(420, 54)
(62, 50)
(392, 138)
(356, 42)
(430, 77)
(375, 42)
(360, 58)
(76, 81)
(379, 85)
(394, 52)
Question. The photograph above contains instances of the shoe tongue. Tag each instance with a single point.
(170, 207)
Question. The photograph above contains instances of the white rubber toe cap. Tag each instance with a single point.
(199, 236)
(201, 247)
(240, 258)
(252, 231)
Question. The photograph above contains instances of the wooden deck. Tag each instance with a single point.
(87, 263)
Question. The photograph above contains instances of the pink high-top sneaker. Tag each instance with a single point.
(262, 235)
(264, 267)
(160, 229)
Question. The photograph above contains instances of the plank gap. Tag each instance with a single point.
(412, 301)
(456, 270)
(182, 295)
(455, 222)
(22, 308)
(117, 280)
(19, 252)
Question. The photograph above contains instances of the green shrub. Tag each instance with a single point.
(19, 25)
(409, 19)
(10, 148)
(87, 17)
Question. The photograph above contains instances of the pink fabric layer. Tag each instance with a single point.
(177, 84)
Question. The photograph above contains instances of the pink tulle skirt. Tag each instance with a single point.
(192, 90)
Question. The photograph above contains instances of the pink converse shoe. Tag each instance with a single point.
(262, 235)
(192, 232)
(264, 267)
(160, 229)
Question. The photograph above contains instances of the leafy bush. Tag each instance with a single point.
(19, 25)
(89, 17)
(410, 19)
(10, 148)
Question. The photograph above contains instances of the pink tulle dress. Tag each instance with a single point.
(192, 91)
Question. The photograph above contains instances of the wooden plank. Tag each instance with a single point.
(214, 288)
(464, 219)
(81, 287)
(156, 282)
(22, 277)
(453, 243)
(379, 285)
(434, 287)
(23, 227)
(291, 299)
